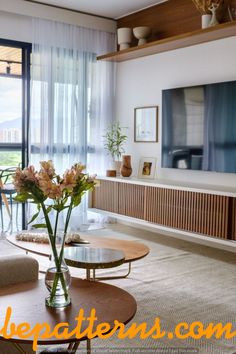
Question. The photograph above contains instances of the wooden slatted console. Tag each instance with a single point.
(198, 210)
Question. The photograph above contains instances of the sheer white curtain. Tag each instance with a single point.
(72, 95)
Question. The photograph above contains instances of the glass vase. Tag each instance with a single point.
(57, 278)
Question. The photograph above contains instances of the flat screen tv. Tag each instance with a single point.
(199, 127)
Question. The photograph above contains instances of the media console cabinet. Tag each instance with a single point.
(204, 210)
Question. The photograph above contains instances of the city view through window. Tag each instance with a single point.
(10, 120)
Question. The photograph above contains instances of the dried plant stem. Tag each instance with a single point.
(203, 5)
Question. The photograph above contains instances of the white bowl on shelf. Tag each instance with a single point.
(142, 33)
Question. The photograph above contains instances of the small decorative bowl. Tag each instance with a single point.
(142, 33)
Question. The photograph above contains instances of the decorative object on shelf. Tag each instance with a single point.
(124, 37)
(117, 166)
(146, 124)
(147, 167)
(213, 8)
(206, 19)
(111, 173)
(206, 7)
(114, 144)
(231, 13)
(126, 169)
(142, 33)
(54, 194)
(225, 30)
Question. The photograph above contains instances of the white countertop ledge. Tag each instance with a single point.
(177, 185)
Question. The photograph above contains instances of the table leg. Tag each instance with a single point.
(18, 347)
(89, 350)
(115, 277)
(88, 277)
(73, 347)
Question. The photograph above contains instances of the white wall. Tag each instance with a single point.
(140, 82)
(15, 19)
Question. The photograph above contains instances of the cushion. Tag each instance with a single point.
(16, 269)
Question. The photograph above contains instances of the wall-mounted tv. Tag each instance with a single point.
(199, 127)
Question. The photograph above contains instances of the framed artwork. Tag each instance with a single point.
(146, 124)
(147, 167)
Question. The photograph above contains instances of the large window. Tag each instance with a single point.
(14, 103)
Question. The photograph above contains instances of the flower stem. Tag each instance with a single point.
(59, 274)
(66, 228)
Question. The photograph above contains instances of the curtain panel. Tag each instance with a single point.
(72, 95)
(72, 98)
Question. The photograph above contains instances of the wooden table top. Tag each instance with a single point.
(28, 305)
(93, 258)
(132, 250)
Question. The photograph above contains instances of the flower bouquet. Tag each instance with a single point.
(54, 194)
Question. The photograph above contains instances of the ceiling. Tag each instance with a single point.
(107, 8)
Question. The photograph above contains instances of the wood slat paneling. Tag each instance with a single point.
(233, 215)
(207, 214)
(131, 200)
(105, 196)
(195, 212)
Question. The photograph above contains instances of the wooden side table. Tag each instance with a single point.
(133, 250)
(28, 305)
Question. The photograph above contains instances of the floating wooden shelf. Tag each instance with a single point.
(181, 41)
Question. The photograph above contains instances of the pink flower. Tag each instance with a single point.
(78, 168)
(55, 192)
(46, 184)
(24, 178)
(30, 174)
(69, 180)
(48, 168)
(49, 188)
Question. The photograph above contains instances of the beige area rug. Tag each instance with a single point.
(178, 281)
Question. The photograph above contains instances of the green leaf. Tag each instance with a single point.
(22, 197)
(34, 217)
(39, 226)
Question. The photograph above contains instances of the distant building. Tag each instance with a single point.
(11, 135)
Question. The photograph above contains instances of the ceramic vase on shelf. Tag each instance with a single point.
(206, 19)
(117, 167)
(142, 33)
(126, 169)
(124, 37)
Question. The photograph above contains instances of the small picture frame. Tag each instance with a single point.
(146, 124)
(147, 167)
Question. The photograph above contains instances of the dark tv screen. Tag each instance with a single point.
(199, 127)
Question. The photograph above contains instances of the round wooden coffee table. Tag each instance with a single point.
(133, 250)
(27, 301)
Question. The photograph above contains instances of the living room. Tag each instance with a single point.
(151, 237)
